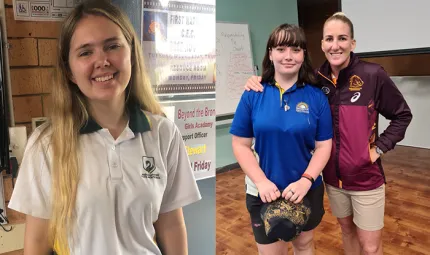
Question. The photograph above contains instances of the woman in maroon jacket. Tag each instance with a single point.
(358, 92)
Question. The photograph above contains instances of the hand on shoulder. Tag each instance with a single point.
(254, 84)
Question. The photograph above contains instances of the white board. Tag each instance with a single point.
(416, 90)
(234, 65)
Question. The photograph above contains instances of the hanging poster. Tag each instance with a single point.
(196, 122)
(178, 39)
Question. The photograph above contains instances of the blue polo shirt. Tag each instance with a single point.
(285, 125)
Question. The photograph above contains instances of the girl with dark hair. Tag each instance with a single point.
(291, 123)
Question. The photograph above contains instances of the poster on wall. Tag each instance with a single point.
(196, 122)
(43, 10)
(178, 39)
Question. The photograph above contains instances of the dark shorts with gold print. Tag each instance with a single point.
(254, 204)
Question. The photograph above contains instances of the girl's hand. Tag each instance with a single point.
(268, 191)
(296, 191)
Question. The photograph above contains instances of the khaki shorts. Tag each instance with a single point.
(367, 207)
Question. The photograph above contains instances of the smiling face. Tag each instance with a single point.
(287, 60)
(337, 43)
(99, 59)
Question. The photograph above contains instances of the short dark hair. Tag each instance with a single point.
(291, 36)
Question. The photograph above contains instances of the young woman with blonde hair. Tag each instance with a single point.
(107, 174)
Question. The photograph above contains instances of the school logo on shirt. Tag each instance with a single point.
(302, 107)
(355, 83)
(149, 167)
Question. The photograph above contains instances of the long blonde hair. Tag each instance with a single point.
(70, 112)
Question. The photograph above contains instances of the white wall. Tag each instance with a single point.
(383, 25)
(416, 90)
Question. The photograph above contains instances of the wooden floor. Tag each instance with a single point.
(407, 211)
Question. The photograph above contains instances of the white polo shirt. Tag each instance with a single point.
(125, 184)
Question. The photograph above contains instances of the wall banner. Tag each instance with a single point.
(196, 122)
(178, 39)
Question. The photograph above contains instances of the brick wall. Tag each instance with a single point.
(32, 56)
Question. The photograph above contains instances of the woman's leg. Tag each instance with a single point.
(369, 208)
(277, 248)
(351, 245)
(341, 207)
(265, 245)
(304, 244)
(371, 241)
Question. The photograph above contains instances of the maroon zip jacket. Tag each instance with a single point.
(362, 91)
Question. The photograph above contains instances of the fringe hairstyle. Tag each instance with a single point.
(291, 36)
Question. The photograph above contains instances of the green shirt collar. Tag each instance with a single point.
(138, 122)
